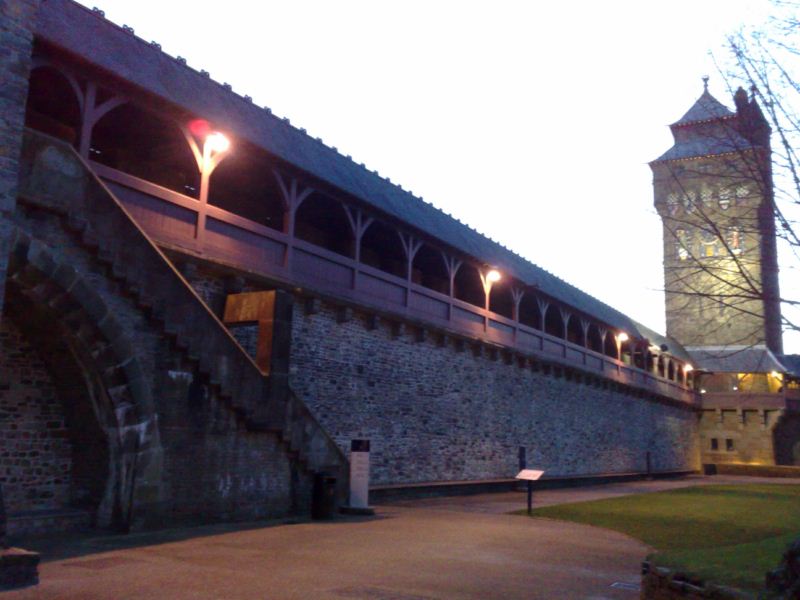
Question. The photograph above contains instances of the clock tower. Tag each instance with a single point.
(713, 191)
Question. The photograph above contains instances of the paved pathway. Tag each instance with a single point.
(432, 549)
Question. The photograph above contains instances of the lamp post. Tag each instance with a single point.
(488, 279)
(621, 337)
(215, 148)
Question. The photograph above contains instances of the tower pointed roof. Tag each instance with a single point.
(705, 108)
(707, 128)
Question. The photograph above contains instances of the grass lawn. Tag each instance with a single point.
(728, 534)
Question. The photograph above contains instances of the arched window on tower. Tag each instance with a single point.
(682, 244)
(52, 106)
(710, 244)
(734, 239)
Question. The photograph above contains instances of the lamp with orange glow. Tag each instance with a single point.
(217, 142)
(622, 337)
(493, 276)
(687, 368)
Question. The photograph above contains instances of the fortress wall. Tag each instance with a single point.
(35, 452)
(437, 413)
(195, 459)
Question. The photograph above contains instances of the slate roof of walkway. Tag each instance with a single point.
(96, 40)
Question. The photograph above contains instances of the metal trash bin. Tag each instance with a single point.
(323, 497)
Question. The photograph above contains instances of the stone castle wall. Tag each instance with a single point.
(742, 435)
(436, 413)
(35, 452)
(191, 457)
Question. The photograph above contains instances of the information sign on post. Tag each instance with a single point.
(529, 476)
(359, 478)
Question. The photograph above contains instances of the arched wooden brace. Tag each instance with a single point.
(543, 306)
(516, 296)
(602, 332)
(291, 197)
(358, 225)
(452, 264)
(585, 323)
(410, 246)
(206, 163)
(565, 317)
(91, 112)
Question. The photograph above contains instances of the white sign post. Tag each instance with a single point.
(359, 478)
(529, 476)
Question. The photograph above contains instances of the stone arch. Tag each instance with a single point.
(84, 332)
(529, 312)
(786, 440)
(671, 372)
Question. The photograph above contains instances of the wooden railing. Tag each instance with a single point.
(172, 220)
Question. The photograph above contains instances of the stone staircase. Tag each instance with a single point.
(54, 177)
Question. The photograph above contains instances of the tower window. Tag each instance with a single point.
(724, 198)
(689, 201)
(729, 445)
(714, 444)
(682, 244)
(707, 196)
(735, 240)
(709, 244)
(742, 191)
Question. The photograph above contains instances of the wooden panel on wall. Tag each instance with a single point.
(245, 247)
(319, 270)
(161, 219)
(381, 289)
(428, 305)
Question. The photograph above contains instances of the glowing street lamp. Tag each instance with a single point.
(622, 337)
(217, 142)
(688, 368)
(215, 147)
(493, 276)
(488, 279)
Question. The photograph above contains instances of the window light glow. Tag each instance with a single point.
(622, 337)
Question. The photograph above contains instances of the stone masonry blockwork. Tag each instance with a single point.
(434, 413)
(16, 39)
(35, 453)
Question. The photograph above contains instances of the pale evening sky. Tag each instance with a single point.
(531, 121)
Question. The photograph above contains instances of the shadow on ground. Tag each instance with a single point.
(83, 543)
